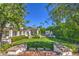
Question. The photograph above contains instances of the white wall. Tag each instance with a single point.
(11, 33)
(11, 53)
(18, 33)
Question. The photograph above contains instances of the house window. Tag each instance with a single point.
(14, 33)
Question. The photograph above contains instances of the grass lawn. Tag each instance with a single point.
(36, 42)
(39, 43)
(32, 42)
(45, 43)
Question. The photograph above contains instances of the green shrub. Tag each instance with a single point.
(5, 47)
(1, 50)
(40, 45)
(17, 38)
(72, 46)
(36, 36)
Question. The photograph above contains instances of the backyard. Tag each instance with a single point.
(43, 42)
(36, 32)
(30, 42)
(36, 42)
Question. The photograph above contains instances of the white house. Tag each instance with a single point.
(16, 49)
(6, 40)
(49, 34)
(11, 32)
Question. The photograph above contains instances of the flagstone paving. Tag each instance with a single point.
(38, 53)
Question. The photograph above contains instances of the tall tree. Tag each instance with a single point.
(12, 14)
(69, 13)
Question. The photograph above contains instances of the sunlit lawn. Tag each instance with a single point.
(40, 43)
(36, 42)
(44, 43)
(33, 40)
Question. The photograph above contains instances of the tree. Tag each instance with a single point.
(41, 24)
(69, 29)
(42, 30)
(50, 28)
(46, 22)
(12, 14)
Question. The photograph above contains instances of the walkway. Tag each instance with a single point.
(38, 53)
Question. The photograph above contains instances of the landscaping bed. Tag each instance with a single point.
(37, 43)
(65, 43)
(30, 42)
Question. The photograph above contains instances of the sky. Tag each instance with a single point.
(37, 14)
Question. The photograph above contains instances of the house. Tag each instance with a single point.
(32, 32)
(11, 32)
(6, 40)
(17, 49)
(62, 50)
(49, 34)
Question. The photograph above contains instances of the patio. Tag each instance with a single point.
(38, 53)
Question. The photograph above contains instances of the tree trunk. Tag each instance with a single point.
(1, 31)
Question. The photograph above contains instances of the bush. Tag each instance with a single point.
(5, 47)
(17, 38)
(36, 36)
(1, 50)
(40, 45)
(76, 40)
(72, 46)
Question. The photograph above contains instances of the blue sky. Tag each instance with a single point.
(38, 13)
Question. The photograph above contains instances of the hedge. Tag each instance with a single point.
(17, 38)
